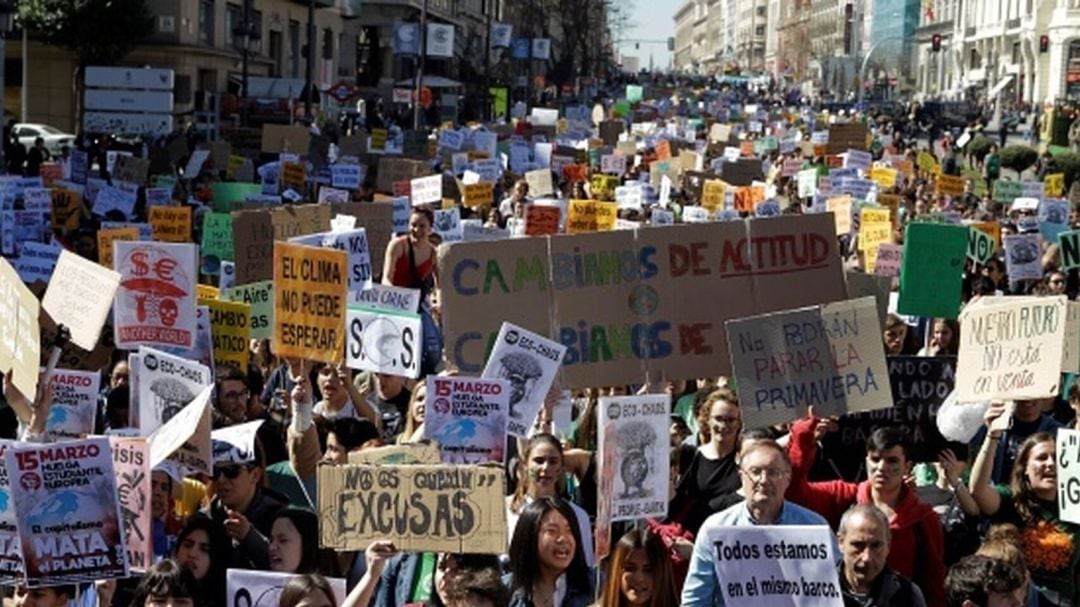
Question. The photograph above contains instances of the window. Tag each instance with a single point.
(759, 30)
(275, 54)
(328, 44)
(233, 19)
(256, 26)
(761, 11)
(294, 49)
(206, 22)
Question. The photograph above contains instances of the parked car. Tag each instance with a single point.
(54, 138)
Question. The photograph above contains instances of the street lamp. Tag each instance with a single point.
(7, 23)
(246, 39)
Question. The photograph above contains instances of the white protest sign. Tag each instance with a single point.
(342, 223)
(74, 406)
(155, 304)
(131, 462)
(830, 357)
(1023, 258)
(448, 225)
(629, 196)
(665, 191)
(355, 243)
(614, 164)
(347, 176)
(235, 444)
(661, 217)
(1011, 350)
(692, 214)
(11, 559)
(530, 362)
(766, 566)
(250, 588)
(466, 417)
(858, 159)
(385, 297)
(807, 183)
(185, 437)
(80, 296)
(67, 512)
(426, 190)
(1068, 474)
(634, 447)
(195, 163)
(167, 384)
(383, 341)
(540, 183)
(329, 195)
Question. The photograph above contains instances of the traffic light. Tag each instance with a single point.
(1044, 43)
(935, 43)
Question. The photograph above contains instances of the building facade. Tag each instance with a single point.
(684, 37)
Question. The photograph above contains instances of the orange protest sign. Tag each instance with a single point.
(590, 216)
(991, 229)
(171, 224)
(541, 221)
(744, 199)
(207, 292)
(834, 162)
(663, 150)
(576, 172)
(310, 289)
(105, 239)
(950, 184)
(293, 175)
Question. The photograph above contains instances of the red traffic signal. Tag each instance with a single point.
(1044, 43)
(935, 42)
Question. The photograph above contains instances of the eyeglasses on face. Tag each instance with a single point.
(769, 474)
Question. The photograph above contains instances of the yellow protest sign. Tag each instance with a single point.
(310, 288)
(950, 185)
(1054, 185)
(171, 224)
(871, 215)
(885, 177)
(207, 292)
(478, 194)
(603, 186)
(230, 329)
(378, 139)
(840, 207)
(590, 216)
(991, 229)
(927, 163)
(712, 194)
(235, 162)
(873, 234)
(105, 239)
(293, 175)
(66, 209)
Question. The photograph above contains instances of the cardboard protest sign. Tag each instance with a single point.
(310, 286)
(950, 185)
(67, 512)
(167, 384)
(397, 455)
(171, 224)
(919, 385)
(830, 357)
(590, 216)
(155, 304)
(355, 243)
(634, 449)
(79, 296)
(764, 565)
(530, 363)
(479, 194)
(11, 556)
(453, 509)
(250, 588)
(1011, 350)
(74, 406)
(662, 275)
(20, 344)
(186, 437)
(230, 329)
(1067, 456)
(254, 233)
(467, 417)
(66, 209)
(931, 276)
(285, 138)
(384, 341)
(105, 238)
(840, 207)
(131, 462)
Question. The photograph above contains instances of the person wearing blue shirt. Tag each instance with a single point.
(766, 473)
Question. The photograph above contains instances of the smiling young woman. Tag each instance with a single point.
(547, 562)
(639, 573)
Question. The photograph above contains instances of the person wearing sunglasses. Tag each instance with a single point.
(765, 471)
(245, 509)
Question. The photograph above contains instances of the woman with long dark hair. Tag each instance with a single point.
(639, 573)
(547, 562)
(167, 583)
(203, 548)
(294, 544)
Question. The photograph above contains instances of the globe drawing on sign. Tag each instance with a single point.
(382, 341)
(406, 34)
(635, 445)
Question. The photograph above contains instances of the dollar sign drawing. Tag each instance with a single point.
(138, 261)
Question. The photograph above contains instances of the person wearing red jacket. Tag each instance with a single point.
(918, 541)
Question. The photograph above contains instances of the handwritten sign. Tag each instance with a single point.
(950, 185)
(479, 194)
(355, 243)
(171, 224)
(590, 216)
(830, 357)
(230, 329)
(454, 509)
(426, 190)
(1070, 249)
(310, 286)
(259, 296)
(544, 220)
(79, 296)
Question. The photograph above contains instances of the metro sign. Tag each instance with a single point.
(342, 91)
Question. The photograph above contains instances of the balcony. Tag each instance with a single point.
(1012, 24)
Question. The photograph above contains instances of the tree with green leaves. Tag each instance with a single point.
(96, 32)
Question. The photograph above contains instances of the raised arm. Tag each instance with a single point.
(988, 500)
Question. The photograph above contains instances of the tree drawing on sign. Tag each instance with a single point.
(522, 371)
(635, 440)
(170, 396)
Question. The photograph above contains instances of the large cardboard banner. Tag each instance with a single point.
(830, 357)
(259, 296)
(248, 588)
(1011, 350)
(255, 231)
(634, 434)
(353, 242)
(131, 461)
(310, 287)
(79, 296)
(767, 566)
(629, 302)
(467, 417)
(67, 512)
(74, 406)
(529, 362)
(155, 305)
(20, 343)
(186, 437)
(398, 455)
(454, 509)
(11, 556)
(166, 385)
(383, 341)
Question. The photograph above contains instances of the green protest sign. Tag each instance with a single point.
(931, 273)
(980, 246)
(227, 193)
(1007, 191)
(260, 296)
(1070, 249)
(217, 236)
(634, 93)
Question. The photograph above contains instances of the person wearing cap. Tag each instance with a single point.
(245, 509)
